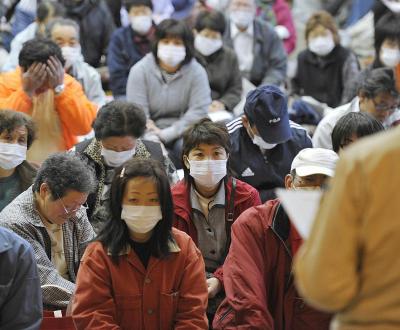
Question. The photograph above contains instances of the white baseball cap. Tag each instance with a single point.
(311, 161)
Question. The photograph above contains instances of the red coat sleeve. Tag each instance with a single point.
(245, 306)
(93, 306)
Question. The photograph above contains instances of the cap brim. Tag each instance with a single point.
(275, 134)
(311, 170)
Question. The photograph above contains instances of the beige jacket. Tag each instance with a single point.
(351, 264)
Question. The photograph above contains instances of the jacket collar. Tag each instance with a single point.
(280, 223)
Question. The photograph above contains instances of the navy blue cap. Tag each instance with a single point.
(183, 8)
(266, 108)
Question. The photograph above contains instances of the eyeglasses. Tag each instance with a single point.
(386, 107)
(84, 206)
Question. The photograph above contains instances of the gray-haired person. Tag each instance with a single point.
(51, 216)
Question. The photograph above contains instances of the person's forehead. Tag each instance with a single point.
(242, 3)
(66, 31)
(204, 146)
(141, 185)
(385, 97)
(19, 130)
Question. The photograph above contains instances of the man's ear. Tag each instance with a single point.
(288, 181)
(44, 190)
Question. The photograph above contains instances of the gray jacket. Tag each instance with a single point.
(269, 65)
(21, 217)
(173, 106)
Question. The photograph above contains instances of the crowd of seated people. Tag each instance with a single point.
(141, 146)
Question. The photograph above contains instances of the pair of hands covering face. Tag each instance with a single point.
(42, 76)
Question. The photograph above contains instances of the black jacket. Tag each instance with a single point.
(264, 172)
(224, 76)
(96, 26)
(321, 77)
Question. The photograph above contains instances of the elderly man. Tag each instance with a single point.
(264, 141)
(262, 57)
(259, 264)
(65, 33)
(377, 96)
(55, 100)
(51, 216)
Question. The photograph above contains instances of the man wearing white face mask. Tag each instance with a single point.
(17, 132)
(264, 141)
(129, 44)
(65, 33)
(264, 242)
(262, 57)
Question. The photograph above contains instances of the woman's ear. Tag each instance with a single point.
(186, 162)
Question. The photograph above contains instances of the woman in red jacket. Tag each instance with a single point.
(208, 200)
(140, 273)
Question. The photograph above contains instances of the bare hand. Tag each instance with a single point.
(34, 78)
(214, 286)
(55, 72)
(216, 106)
(151, 127)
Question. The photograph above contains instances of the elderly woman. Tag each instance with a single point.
(51, 216)
(140, 272)
(325, 69)
(170, 86)
(17, 132)
(118, 128)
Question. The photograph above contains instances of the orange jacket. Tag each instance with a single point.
(76, 112)
(170, 294)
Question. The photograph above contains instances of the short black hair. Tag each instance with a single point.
(46, 9)
(387, 27)
(115, 233)
(380, 80)
(358, 123)
(63, 22)
(10, 120)
(213, 20)
(65, 171)
(207, 132)
(38, 50)
(131, 3)
(119, 118)
(175, 29)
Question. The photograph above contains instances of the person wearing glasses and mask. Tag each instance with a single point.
(51, 216)
(259, 264)
(377, 96)
(209, 199)
(140, 273)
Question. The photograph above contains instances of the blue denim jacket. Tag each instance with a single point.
(20, 293)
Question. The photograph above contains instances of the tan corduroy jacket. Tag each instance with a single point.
(351, 265)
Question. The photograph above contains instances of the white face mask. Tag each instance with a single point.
(141, 24)
(393, 6)
(322, 46)
(116, 158)
(242, 18)
(11, 155)
(207, 46)
(141, 219)
(171, 55)
(72, 55)
(258, 141)
(208, 173)
(389, 57)
(218, 4)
